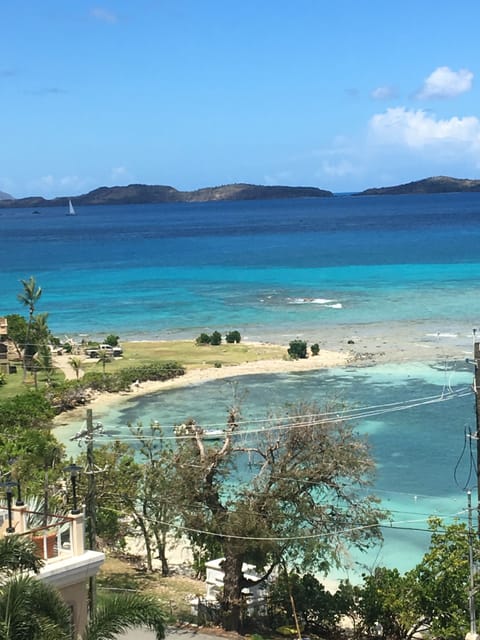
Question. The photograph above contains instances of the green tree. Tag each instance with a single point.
(112, 340)
(17, 332)
(302, 497)
(433, 596)
(216, 338)
(76, 363)
(104, 357)
(297, 349)
(304, 599)
(156, 498)
(29, 298)
(29, 608)
(148, 494)
(203, 338)
(116, 490)
(118, 613)
(33, 610)
(315, 349)
(26, 410)
(441, 580)
(385, 598)
(233, 337)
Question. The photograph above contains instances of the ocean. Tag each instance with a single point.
(276, 270)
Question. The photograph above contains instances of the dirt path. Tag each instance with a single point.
(62, 363)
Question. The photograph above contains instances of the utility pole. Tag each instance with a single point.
(90, 508)
(476, 388)
(472, 635)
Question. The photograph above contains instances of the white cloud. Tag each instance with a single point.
(337, 169)
(383, 93)
(281, 177)
(120, 173)
(103, 15)
(445, 83)
(417, 129)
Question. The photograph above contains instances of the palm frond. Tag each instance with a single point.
(115, 614)
(32, 610)
(18, 554)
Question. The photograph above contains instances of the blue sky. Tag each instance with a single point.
(342, 95)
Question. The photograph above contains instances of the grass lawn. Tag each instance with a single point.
(14, 384)
(185, 352)
(190, 355)
(174, 592)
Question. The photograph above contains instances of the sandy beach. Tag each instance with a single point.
(363, 345)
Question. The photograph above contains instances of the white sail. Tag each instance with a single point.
(71, 210)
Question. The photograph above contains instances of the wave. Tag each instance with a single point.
(332, 304)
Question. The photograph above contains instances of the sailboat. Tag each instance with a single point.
(71, 210)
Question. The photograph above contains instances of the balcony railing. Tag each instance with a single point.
(61, 538)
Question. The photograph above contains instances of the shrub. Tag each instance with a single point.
(233, 337)
(216, 338)
(203, 338)
(315, 349)
(297, 349)
(112, 340)
(217, 364)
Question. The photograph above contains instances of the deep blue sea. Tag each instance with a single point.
(276, 270)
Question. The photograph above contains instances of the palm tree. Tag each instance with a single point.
(33, 610)
(18, 554)
(29, 298)
(104, 357)
(29, 608)
(76, 363)
(117, 613)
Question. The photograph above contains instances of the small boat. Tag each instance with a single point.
(36, 213)
(71, 211)
(213, 434)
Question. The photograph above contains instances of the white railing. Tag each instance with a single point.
(62, 537)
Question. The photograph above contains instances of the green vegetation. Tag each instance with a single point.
(315, 470)
(233, 337)
(31, 609)
(297, 349)
(215, 339)
(315, 349)
(112, 340)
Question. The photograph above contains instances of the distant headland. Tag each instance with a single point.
(157, 194)
(437, 184)
(153, 194)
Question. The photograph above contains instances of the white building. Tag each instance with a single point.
(68, 565)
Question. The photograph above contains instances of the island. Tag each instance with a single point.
(436, 184)
(155, 194)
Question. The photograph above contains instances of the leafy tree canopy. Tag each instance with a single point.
(297, 349)
(26, 410)
(300, 497)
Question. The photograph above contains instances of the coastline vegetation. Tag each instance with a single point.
(304, 503)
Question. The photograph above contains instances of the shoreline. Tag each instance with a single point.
(359, 347)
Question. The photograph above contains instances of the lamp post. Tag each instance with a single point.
(74, 470)
(13, 473)
(8, 485)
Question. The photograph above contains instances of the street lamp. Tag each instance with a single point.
(8, 485)
(13, 473)
(19, 502)
(74, 470)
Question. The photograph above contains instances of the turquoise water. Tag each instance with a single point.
(415, 420)
(264, 267)
(276, 270)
